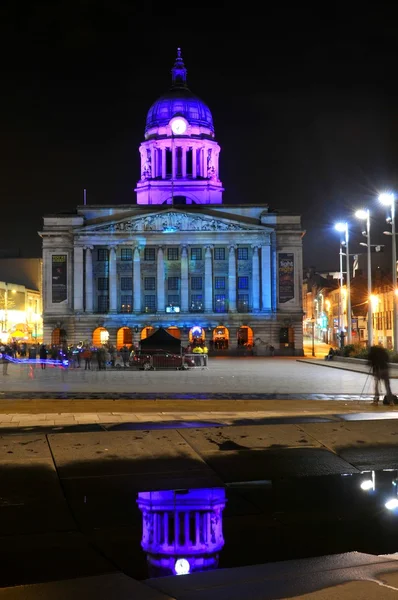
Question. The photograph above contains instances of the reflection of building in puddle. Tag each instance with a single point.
(182, 530)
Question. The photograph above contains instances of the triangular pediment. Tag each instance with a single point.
(169, 222)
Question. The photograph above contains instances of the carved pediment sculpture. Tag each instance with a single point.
(168, 222)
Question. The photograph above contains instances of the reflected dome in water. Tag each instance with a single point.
(182, 530)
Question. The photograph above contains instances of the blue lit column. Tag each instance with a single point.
(184, 279)
(89, 280)
(232, 279)
(78, 278)
(208, 281)
(160, 281)
(137, 280)
(255, 280)
(112, 280)
(266, 277)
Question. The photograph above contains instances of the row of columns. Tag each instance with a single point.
(80, 270)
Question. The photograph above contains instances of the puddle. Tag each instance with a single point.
(184, 531)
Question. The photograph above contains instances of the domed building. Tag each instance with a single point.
(227, 276)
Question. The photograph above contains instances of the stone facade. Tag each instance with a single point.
(225, 274)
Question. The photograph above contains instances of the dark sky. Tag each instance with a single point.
(304, 105)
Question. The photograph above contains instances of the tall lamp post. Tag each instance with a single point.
(388, 199)
(365, 215)
(343, 227)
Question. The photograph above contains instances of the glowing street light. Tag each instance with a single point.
(343, 227)
(365, 215)
(388, 199)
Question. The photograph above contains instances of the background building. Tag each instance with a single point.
(179, 258)
(21, 300)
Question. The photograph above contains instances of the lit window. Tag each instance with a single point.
(243, 253)
(219, 283)
(219, 253)
(243, 283)
(126, 304)
(172, 253)
(126, 254)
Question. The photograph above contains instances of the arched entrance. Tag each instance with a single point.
(220, 338)
(58, 337)
(174, 331)
(245, 336)
(196, 335)
(146, 332)
(124, 337)
(100, 336)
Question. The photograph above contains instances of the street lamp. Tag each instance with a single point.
(343, 227)
(365, 215)
(388, 199)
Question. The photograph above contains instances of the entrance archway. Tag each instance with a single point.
(245, 336)
(197, 335)
(221, 338)
(124, 337)
(174, 331)
(100, 336)
(58, 337)
(146, 332)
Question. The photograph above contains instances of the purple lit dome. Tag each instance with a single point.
(179, 100)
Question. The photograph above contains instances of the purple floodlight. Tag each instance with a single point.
(182, 529)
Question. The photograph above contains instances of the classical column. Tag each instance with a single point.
(256, 279)
(163, 163)
(153, 162)
(194, 163)
(136, 280)
(232, 279)
(160, 281)
(266, 277)
(173, 160)
(78, 278)
(184, 161)
(208, 281)
(112, 280)
(184, 279)
(89, 279)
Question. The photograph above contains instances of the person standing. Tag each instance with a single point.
(43, 356)
(378, 361)
(124, 352)
(87, 355)
(4, 358)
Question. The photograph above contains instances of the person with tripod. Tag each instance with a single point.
(378, 362)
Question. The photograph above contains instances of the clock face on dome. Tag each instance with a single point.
(178, 126)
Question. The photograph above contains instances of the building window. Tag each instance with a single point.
(126, 254)
(149, 283)
(173, 300)
(196, 303)
(196, 283)
(243, 302)
(103, 254)
(219, 253)
(103, 304)
(243, 283)
(219, 283)
(126, 304)
(126, 283)
(103, 284)
(172, 283)
(150, 303)
(220, 304)
(196, 253)
(149, 254)
(243, 253)
(172, 253)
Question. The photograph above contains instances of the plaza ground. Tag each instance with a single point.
(72, 461)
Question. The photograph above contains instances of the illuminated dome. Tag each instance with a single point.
(179, 100)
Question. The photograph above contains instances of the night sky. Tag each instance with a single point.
(305, 111)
